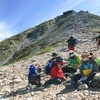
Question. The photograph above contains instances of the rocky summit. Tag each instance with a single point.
(46, 36)
(13, 77)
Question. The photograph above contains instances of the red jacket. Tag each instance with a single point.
(57, 72)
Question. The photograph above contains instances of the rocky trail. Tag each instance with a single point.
(13, 79)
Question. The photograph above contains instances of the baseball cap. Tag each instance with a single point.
(54, 54)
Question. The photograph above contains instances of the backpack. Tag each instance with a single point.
(96, 81)
(33, 70)
(48, 67)
(72, 42)
(50, 64)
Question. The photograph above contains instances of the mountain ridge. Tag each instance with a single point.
(35, 40)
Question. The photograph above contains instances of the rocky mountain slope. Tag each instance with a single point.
(46, 36)
(13, 77)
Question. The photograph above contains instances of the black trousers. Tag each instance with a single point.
(54, 81)
(67, 69)
(35, 80)
(78, 76)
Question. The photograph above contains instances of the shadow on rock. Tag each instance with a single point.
(66, 91)
(21, 91)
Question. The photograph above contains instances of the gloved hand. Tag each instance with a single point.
(83, 79)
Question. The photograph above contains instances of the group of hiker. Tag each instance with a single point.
(81, 69)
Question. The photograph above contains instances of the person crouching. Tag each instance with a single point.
(33, 76)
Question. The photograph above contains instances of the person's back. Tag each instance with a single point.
(33, 70)
(71, 43)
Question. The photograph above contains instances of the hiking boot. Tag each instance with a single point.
(29, 86)
(41, 87)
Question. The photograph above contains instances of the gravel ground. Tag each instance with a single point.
(13, 80)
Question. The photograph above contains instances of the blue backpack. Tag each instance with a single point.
(33, 70)
(50, 64)
(48, 67)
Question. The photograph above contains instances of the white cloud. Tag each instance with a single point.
(6, 31)
(72, 5)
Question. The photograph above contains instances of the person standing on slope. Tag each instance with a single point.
(71, 43)
(98, 41)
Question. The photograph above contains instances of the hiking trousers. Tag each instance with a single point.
(67, 69)
(78, 76)
(54, 81)
(34, 80)
(70, 48)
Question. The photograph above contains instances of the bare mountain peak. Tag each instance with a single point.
(69, 12)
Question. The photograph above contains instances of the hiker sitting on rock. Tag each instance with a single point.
(97, 59)
(71, 43)
(51, 62)
(74, 62)
(88, 69)
(33, 76)
(57, 75)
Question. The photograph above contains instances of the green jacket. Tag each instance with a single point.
(98, 60)
(75, 62)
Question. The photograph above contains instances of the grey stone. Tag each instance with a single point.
(83, 86)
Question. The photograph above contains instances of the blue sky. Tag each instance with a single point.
(19, 15)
